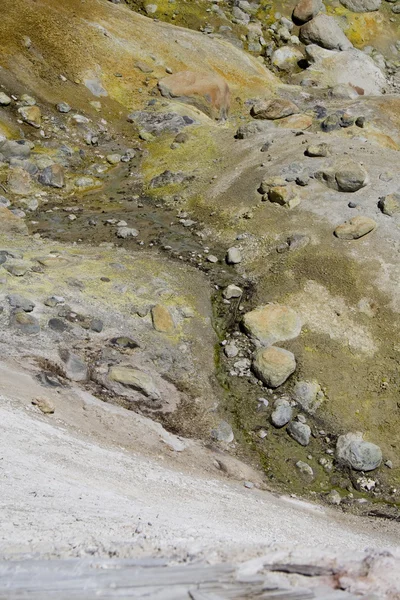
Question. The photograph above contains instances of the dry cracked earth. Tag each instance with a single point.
(199, 306)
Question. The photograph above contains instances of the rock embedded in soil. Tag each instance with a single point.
(162, 319)
(333, 498)
(282, 413)
(223, 433)
(286, 58)
(75, 368)
(284, 196)
(354, 452)
(45, 405)
(25, 323)
(356, 228)
(31, 115)
(232, 291)
(390, 204)
(63, 107)
(308, 395)
(17, 301)
(274, 109)
(136, 379)
(4, 99)
(273, 366)
(19, 181)
(272, 323)
(233, 256)
(52, 176)
(361, 6)
(318, 150)
(351, 179)
(300, 432)
(305, 10)
(305, 469)
(326, 32)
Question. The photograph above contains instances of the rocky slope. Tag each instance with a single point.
(200, 225)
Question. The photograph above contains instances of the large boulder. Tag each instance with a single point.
(305, 10)
(354, 452)
(274, 365)
(360, 6)
(324, 31)
(272, 323)
(207, 91)
(351, 68)
(348, 177)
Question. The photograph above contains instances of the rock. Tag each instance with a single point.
(85, 183)
(58, 325)
(207, 91)
(168, 178)
(271, 182)
(4, 202)
(75, 368)
(113, 159)
(4, 99)
(324, 31)
(361, 6)
(351, 68)
(281, 414)
(18, 270)
(390, 204)
(17, 301)
(124, 342)
(52, 176)
(356, 228)
(63, 107)
(305, 469)
(345, 177)
(284, 196)
(354, 452)
(96, 325)
(274, 365)
(19, 181)
(16, 149)
(135, 379)
(352, 178)
(44, 404)
(272, 323)
(162, 319)
(25, 323)
(26, 100)
(212, 259)
(334, 498)
(300, 432)
(286, 58)
(233, 256)
(159, 123)
(223, 433)
(231, 350)
(318, 150)
(127, 232)
(308, 395)
(252, 128)
(232, 291)
(273, 109)
(31, 115)
(305, 10)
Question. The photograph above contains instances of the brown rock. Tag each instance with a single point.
(19, 181)
(272, 323)
(273, 109)
(31, 115)
(296, 122)
(274, 365)
(284, 196)
(207, 91)
(162, 320)
(356, 228)
(52, 176)
(305, 10)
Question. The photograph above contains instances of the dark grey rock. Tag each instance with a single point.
(300, 432)
(17, 301)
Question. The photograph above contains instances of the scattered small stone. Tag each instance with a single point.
(300, 432)
(124, 342)
(318, 150)
(274, 109)
(334, 498)
(63, 107)
(212, 259)
(223, 433)
(44, 404)
(249, 485)
(305, 469)
(31, 115)
(96, 325)
(354, 452)
(58, 325)
(233, 256)
(232, 291)
(390, 204)
(127, 232)
(282, 413)
(231, 351)
(4, 99)
(113, 159)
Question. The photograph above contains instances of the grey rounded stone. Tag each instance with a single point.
(233, 256)
(300, 432)
(282, 413)
(326, 32)
(305, 469)
(361, 6)
(354, 452)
